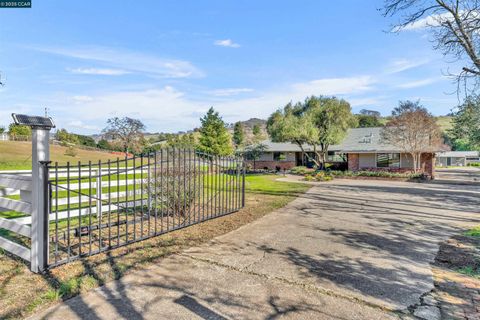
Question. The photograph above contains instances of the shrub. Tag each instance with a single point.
(474, 164)
(300, 170)
(171, 189)
(308, 178)
(379, 173)
(71, 152)
(319, 176)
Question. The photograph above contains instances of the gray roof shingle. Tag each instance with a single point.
(358, 140)
(364, 140)
(458, 154)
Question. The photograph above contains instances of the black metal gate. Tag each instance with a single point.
(99, 206)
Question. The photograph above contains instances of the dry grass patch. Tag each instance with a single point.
(17, 155)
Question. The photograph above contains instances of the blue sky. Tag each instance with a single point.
(167, 62)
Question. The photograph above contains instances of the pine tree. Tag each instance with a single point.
(256, 130)
(214, 136)
(465, 131)
(238, 134)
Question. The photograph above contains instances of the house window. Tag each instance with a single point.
(279, 156)
(388, 160)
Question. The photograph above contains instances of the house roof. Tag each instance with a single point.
(364, 140)
(457, 154)
(358, 140)
(282, 146)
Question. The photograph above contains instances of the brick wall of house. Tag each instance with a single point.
(272, 165)
(428, 164)
(353, 161)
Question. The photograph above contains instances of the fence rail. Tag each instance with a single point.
(17, 228)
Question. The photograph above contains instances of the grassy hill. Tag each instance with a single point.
(17, 155)
(445, 122)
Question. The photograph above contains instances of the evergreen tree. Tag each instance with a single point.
(256, 130)
(238, 134)
(214, 136)
(465, 133)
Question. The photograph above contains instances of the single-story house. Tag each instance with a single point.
(457, 158)
(362, 149)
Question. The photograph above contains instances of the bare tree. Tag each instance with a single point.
(455, 25)
(413, 130)
(128, 131)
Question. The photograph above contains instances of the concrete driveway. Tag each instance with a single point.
(347, 249)
(466, 175)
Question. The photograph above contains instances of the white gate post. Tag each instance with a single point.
(40, 153)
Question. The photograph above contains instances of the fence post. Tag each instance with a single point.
(40, 199)
(244, 168)
(99, 191)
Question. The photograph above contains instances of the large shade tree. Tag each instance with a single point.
(316, 123)
(127, 132)
(413, 130)
(454, 26)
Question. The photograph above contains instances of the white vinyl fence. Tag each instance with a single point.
(18, 184)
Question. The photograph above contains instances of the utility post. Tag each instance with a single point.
(41, 127)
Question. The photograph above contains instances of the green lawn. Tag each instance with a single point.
(267, 184)
(474, 232)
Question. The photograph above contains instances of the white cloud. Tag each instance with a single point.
(80, 125)
(99, 71)
(226, 43)
(230, 92)
(433, 20)
(129, 61)
(82, 98)
(367, 101)
(418, 83)
(401, 65)
(334, 86)
(167, 108)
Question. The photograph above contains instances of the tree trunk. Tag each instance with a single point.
(308, 156)
(416, 161)
(419, 159)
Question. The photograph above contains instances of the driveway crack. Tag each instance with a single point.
(307, 287)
